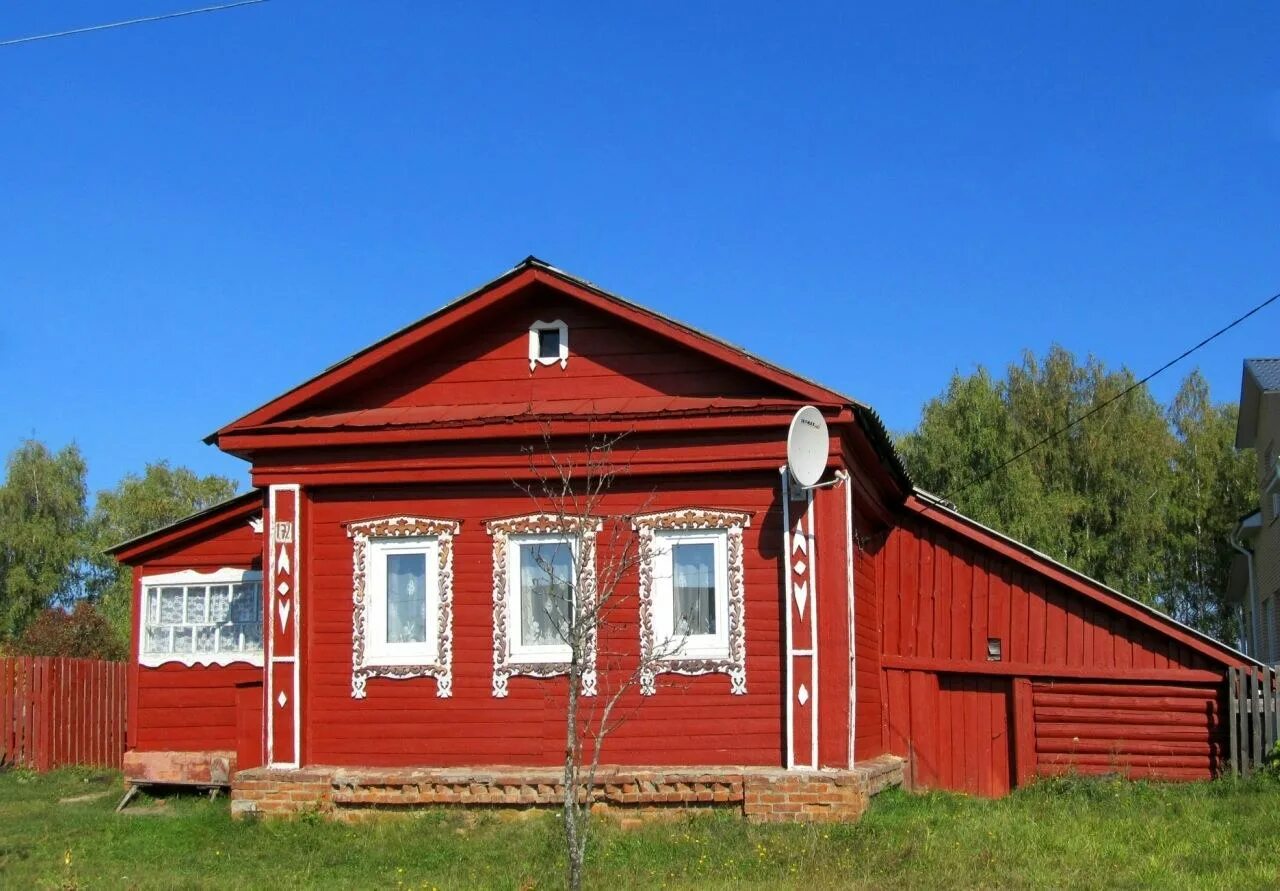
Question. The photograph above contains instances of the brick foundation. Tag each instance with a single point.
(763, 795)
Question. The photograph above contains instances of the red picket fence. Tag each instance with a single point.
(56, 712)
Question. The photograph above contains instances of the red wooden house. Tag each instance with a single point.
(370, 625)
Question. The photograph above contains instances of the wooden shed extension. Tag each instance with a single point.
(1000, 664)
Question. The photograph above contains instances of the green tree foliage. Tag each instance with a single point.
(139, 504)
(1139, 496)
(51, 546)
(42, 519)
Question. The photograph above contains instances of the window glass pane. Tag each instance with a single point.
(546, 585)
(182, 638)
(195, 605)
(406, 598)
(694, 588)
(219, 603)
(170, 606)
(205, 642)
(244, 603)
(548, 343)
(157, 639)
(229, 639)
(153, 604)
(252, 635)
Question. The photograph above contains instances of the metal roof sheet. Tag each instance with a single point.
(465, 415)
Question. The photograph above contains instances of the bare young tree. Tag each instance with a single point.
(577, 596)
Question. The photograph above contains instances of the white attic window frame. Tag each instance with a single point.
(535, 344)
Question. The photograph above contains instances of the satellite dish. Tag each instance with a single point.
(807, 446)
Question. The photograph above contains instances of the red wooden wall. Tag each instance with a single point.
(173, 706)
(1166, 731)
(691, 720)
(487, 361)
(1082, 683)
(57, 712)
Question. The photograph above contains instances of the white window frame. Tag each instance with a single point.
(541, 661)
(706, 656)
(535, 344)
(185, 579)
(378, 650)
(371, 655)
(669, 644)
(527, 653)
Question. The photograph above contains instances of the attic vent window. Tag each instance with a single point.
(548, 344)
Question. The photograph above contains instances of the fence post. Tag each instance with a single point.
(1233, 743)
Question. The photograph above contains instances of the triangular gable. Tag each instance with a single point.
(929, 507)
(240, 509)
(443, 356)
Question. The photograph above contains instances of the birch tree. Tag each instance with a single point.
(591, 598)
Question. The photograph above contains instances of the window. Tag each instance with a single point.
(548, 344)
(403, 594)
(692, 602)
(542, 566)
(202, 618)
(403, 602)
(690, 594)
(541, 586)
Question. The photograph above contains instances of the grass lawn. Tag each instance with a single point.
(1064, 834)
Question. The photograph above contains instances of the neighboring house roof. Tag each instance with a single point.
(532, 269)
(1261, 376)
(240, 507)
(928, 505)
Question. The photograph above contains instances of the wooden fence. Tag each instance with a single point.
(57, 712)
(1253, 701)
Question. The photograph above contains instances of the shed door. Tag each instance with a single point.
(973, 717)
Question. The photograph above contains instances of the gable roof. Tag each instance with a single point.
(1260, 376)
(530, 270)
(930, 506)
(239, 507)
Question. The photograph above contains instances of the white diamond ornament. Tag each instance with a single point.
(282, 699)
(803, 695)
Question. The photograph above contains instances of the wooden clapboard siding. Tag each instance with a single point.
(1087, 681)
(1167, 731)
(56, 712)
(691, 720)
(487, 361)
(948, 595)
(869, 737)
(192, 708)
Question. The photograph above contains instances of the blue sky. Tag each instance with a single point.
(196, 215)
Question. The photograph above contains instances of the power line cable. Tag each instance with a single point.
(153, 18)
(1101, 405)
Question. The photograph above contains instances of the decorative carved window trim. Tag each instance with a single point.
(504, 666)
(694, 518)
(535, 344)
(361, 534)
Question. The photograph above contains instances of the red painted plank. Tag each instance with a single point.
(924, 597)
(962, 596)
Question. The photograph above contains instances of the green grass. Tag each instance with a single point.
(1061, 835)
